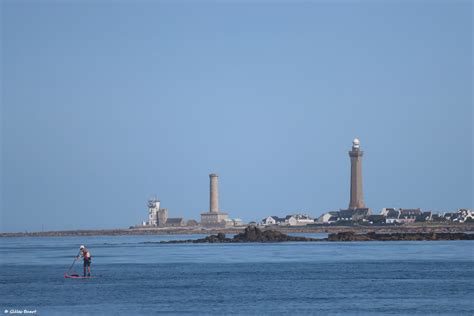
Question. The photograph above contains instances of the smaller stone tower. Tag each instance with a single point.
(214, 193)
(162, 217)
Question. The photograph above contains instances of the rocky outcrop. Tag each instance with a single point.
(351, 236)
(254, 234)
(219, 238)
(250, 234)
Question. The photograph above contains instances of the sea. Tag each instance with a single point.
(136, 275)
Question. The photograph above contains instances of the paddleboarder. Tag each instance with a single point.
(86, 255)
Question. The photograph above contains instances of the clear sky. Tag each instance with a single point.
(107, 103)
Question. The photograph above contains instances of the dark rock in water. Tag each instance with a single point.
(219, 238)
(250, 234)
(254, 234)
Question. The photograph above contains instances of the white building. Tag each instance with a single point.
(391, 215)
(233, 222)
(328, 218)
(299, 220)
(460, 216)
(291, 220)
(238, 222)
(466, 214)
(270, 220)
(408, 215)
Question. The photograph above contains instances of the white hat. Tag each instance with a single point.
(81, 247)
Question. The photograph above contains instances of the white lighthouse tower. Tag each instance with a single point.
(153, 209)
(156, 216)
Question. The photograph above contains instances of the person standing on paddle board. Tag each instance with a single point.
(85, 253)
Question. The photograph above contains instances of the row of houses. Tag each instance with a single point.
(386, 216)
(344, 216)
(289, 220)
(394, 216)
(461, 216)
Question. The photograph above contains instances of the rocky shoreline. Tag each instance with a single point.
(329, 229)
(254, 234)
(351, 236)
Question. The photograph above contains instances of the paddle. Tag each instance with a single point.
(75, 258)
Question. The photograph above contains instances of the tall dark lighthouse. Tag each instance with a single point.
(357, 195)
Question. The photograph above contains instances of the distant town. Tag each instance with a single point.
(356, 213)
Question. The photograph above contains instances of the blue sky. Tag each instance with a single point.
(105, 104)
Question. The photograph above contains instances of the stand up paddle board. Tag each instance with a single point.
(76, 276)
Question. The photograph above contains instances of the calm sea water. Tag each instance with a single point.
(136, 277)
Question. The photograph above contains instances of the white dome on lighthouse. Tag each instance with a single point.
(356, 143)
